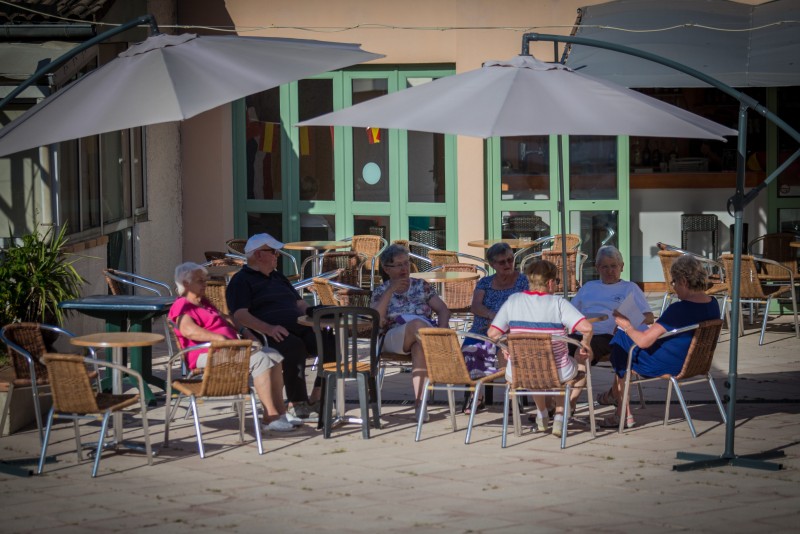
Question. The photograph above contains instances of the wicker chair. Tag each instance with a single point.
(751, 289)
(215, 292)
(349, 264)
(74, 398)
(121, 282)
(346, 323)
(535, 373)
(226, 375)
(575, 260)
(439, 258)
(458, 295)
(448, 371)
(370, 246)
(776, 247)
(696, 368)
(26, 346)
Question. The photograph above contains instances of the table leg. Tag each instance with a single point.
(141, 360)
(116, 390)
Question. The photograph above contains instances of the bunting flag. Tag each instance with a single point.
(271, 135)
(305, 147)
(373, 136)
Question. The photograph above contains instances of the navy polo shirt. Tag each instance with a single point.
(271, 299)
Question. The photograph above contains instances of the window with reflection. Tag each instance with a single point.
(596, 229)
(370, 148)
(315, 97)
(115, 173)
(371, 225)
(263, 132)
(593, 167)
(525, 168)
(526, 224)
(426, 167)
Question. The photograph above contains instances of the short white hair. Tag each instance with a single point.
(183, 274)
(608, 251)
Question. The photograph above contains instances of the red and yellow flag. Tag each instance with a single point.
(373, 136)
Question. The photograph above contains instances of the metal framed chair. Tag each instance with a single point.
(776, 247)
(716, 275)
(370, 246)
(575, 261)
(752, 290)
(121, 282)
(447, 371)
(346, 323)
(74, 398)
(225, 377)
(696, 368)
(439, 258)
(535, 373)
(349, 263)
(458, 295)
(26, 347)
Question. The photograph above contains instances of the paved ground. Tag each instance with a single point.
(390, 483)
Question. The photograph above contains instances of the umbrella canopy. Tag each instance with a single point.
(172, 77)
(525, 96)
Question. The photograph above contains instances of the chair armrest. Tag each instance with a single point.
(778, 265)
(665, 335)
(123, 369)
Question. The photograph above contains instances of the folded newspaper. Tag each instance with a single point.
(629, 309)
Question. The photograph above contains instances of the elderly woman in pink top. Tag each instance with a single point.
(198, 321)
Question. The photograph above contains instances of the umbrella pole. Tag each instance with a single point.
(563, 215)
(738, 203)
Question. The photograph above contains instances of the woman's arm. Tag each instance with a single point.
(442, 311)
(477, 308)
(643, 339)
(191, 330)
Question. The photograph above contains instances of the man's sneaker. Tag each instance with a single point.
(296, 421)
(541, 423)
(279, 425)
(558, 427)
(302, 410)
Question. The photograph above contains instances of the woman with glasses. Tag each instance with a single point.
(490, 294)
(660, 357)
(405, 305)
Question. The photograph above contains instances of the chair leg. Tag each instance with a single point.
(515, 413)
(170, 416)
(567, 409)
(46, 439)
(375, 400)
(505, 418)
(764, 322)
(256, 422)
(361, 379)
(667, 402)
(451, 403)
(626, 391)
(240, 411)
(717, 398)
(196, 416)
(37, 409)
(78, 445)
(330, 391)
(475, 402)
(683, 406)
(99, 453)
(422, 408)
(664, 302)
(6, 407)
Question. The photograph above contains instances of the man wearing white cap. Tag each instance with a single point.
(262, 299)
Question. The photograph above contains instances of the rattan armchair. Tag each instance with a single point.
(225, 377)
(370, 246)
(534, 373)
(752, 290)
(696, 368)
(575, 261)
(349, 264)
(776, 247)
(716, 275)
(26, 347)
(448, 371)
(74, 398)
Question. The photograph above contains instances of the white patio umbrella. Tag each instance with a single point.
(525, 96)
(172, 77)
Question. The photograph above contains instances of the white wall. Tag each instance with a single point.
(656, 216)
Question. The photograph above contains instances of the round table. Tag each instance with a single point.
(513, 243)
(794, 244)
(222, 272)
(316, 245)
(444, 277)
(117, 341)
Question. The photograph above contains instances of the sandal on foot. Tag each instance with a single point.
(468, 406)
(612, 421)
(606, 399)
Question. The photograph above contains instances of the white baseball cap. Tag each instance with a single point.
(260, 240)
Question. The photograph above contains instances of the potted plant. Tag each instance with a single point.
(35, 275)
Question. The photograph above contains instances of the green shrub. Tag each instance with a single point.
(35, 275)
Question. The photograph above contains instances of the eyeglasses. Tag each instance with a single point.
(405, 264)
(269, 250)
(507, 261)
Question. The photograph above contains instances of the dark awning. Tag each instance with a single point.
(741, 45)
